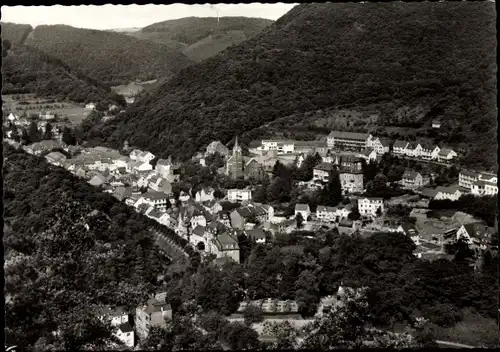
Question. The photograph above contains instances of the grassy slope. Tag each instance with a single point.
(111, 57)
(319, 56)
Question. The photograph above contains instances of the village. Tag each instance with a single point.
(211, 219)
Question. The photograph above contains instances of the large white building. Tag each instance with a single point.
(282, 146)
(349, 139)
(370, 205)
(479, 183)
(239, 195)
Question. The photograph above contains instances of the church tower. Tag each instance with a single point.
(235, 164)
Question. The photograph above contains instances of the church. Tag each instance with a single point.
(235, 164)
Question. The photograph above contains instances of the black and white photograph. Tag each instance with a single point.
(250, 176)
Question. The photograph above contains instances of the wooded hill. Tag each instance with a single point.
(114, 58)
(323, 55)
(202, 37)
(14, 32)
(29, 70)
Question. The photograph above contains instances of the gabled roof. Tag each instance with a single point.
(154, 195)
(479, 230)
(445, 151)
(256, 234)
(349, 135)
(302, 207)
(226, 238)
(400, 144)
(449, 189)
(429, 192)
(410, 174)
(199, 230)
(326, 209)
(324, 167)
(367, 151)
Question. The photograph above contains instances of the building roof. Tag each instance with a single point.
(325, 208)
(324, 167)
(226, 238)
(97, 180)
(154, 213)
(56, 156)
(349, 135)
(125, 327)
(122, 192)
(400, 144)
(449, 189)
(479, 230)
(429, 192)
(154, 195)
(367, 151)
(302, 207)
(256, 234)
(445, 151)
(410, 174)
(199, 230)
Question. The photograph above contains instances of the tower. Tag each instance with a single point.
(234, 165)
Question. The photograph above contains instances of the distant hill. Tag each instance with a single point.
(160, 38)
(398, 56)
(189, 30)
(125, 30)
(114, 58)
(29, 70)
(15, 33)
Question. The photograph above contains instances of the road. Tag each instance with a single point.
(448, 344)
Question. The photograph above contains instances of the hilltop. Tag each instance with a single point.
(202, 37)
(29, 70)
(114, 58)
(14, 32)
(319, 56)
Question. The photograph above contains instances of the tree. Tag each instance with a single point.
(240, 337)
(299, 219)
(253, 314)
(68, 136)
(15, 135)
(47, 134)
(379, 211)
(461, 250)
(331, 194)
(34, 132)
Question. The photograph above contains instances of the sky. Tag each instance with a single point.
(128, 16)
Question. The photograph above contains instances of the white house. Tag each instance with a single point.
(369, 154)
(239, 195)
(446, 154)
(380, 145)
(476, 234)
(163, 166)
(154, 199)
(348, 139)
(280, 145)
(399, 147)
(325, 213)
(304, 210)
(90, 106)
(322, 171)
(142, 156)
(436, 123)
(485, 187)
(451, 193)
(413, 150)
(370, 205)
(121, 161)
(205, 195)
(120, 320)
(429, 151)
(13, 117)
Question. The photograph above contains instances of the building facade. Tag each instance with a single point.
(235, 164)
(370, 206)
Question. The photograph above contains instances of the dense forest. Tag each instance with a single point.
(322, 55)
(114, 58)
(29, 70)
(190, 30)
(15, 33)
(69, 247)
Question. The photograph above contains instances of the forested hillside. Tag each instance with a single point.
(189, 30)
(114, 58)
(28, 70)
(68, 248)
(15, 33)
(397, 55)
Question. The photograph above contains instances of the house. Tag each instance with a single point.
(369, 154)
(239, 195)
(282, 146)
(322, 171)
(413, 149)
(142, 156)
(451, 193)
(485, 185)
(121, 193)
(399, 147)
(412, 180)
(153, 313)
(98, 180)
(325, 213)
(446, 155)
(121, 320)
(159, 184)
(429, 151)
(256, 235)
(47, 115)
(129, 100)
(121, 161)
(466, 178)
(163, 166)
(255, 170)
(436, 123)
(304, 210)
(476, 234)
(381, 145)
(370, 206)
(217, 147)
(90, 106)
(349, 140)
(351, 180)
(206, 194)
(154, 199)
(13, 117)
(226, 245)
(55, 158)
(251, 213)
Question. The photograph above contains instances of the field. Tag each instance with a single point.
(134, 88)
(29, 104)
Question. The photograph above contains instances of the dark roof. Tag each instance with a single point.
(349, 135)
(302, 207)
(199, 230)
(367, 151)
(125, 327)
(400, 144)
(227, 238)
(324, 167)
(154, 195)
(256, 234)
(410, 174)
(479, 230)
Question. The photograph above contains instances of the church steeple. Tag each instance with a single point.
(236, 147)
